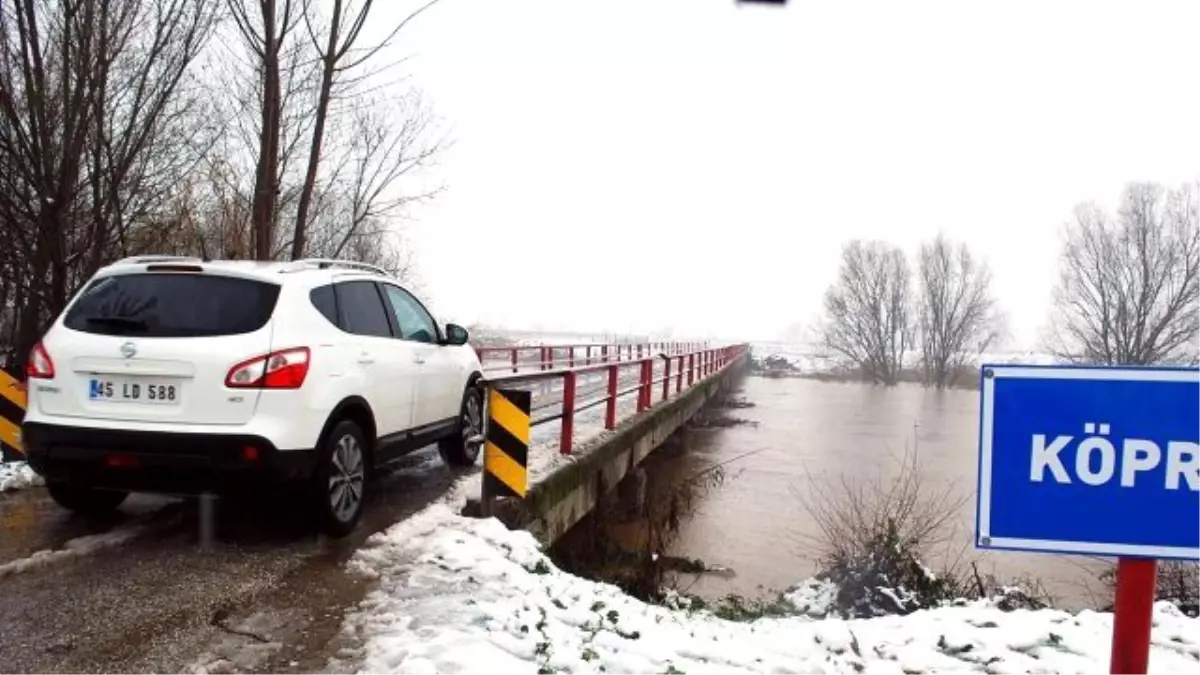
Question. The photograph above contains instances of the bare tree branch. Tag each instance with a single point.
(98, 126)
(957, 317)
(1129, 287)
(343, 32)
(868, 322)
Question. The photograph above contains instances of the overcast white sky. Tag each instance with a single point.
(635, 165)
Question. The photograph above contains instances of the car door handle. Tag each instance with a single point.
(418, 359)
(365, 358)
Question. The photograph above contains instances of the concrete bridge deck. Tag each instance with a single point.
(652, 397)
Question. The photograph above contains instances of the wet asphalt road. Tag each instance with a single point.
(137, 592)
(141, 593)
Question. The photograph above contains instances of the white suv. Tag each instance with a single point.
(184, 376)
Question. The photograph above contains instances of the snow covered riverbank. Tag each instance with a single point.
(17, 476)
(457, 594)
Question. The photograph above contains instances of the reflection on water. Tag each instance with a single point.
(809, 430)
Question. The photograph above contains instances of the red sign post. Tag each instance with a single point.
(1133, 614)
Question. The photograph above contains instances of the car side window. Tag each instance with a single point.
(414, 322)
(362, 310)
(325, 301)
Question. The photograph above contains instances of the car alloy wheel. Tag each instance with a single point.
(346, 478)
(472, 423)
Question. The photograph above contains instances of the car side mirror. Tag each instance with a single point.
(456, 334)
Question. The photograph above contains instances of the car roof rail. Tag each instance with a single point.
(326, 263)
(150, 259)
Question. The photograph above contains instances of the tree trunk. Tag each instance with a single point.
(318, 137)
(266, 182)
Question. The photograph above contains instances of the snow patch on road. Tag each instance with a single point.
(465, 595)
(243, 646)
(73, 548)
(18, 476)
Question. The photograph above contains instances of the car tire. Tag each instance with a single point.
(339, 487)
(86, 500)
(459, 450)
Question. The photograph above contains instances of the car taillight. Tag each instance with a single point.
(283, 369)
(40, 365)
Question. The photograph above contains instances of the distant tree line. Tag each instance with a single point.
(875, 315)
(1127, 294)
(258, 129)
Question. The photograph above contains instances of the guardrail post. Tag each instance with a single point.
(667, 379)
(639, 347)
(691, 368)
(568, 412)
(604, 353)
(514, 359)
(643, 387)
(14, 394)
(588, 356)
(679, 377)
(571, 356)
(506, 451)
(610, 407)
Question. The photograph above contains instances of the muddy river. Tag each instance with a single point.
(802, 434)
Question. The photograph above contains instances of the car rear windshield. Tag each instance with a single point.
(172, 305)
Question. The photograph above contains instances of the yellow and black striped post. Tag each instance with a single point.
(506, 446)
(12, 411)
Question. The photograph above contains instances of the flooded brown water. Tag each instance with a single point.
(803, 430)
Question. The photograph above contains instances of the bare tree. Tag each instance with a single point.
(957, 316)
(265, 32)
(349, 149)
(868, 318)
(1128, 287)
(98, 123)
(341, 54)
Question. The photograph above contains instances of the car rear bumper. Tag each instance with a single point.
(147, 461)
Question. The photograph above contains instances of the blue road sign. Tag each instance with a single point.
(1102, 461)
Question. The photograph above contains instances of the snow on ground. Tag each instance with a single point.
(72, 548)
(457, 594)
(18, 476)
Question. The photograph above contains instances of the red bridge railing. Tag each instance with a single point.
(551, 357)
(683, 365)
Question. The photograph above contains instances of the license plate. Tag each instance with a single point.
(133, 391)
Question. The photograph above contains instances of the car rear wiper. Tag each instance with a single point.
(118, 322)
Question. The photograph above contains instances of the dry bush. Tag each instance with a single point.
(873, 534)
(1178, 583)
